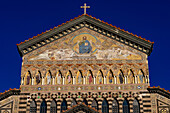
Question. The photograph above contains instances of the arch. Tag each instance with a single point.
(69, 78)
(105, 106)
(63, 105)
(125, 106)
(115, 106)
(89, 77)
(28, 78)
(94, 104)
(136, 107)
(33, 107)
(120, 77)
(73, 102)
(59, 77)
(38, 79)
(79, 78)
(110, 78)
(43, 107)
(48, 78)
(53, 107)
(131, 78)
(141, 78)
(99, 77)
(85, 101)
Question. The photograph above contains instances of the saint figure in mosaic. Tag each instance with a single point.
(121, 78)
(90, 79)
(28, 80)
(59, 78)
(84, 46)
(38, 78)
(79, 79)
(48, 79)
(131, 78)
(141, 78)
(69, 79)
(100, 78)
(110, 78)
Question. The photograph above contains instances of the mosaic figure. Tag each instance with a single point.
(79, 79)
(90, 79)
(84, 46)
(110, 78)
(59, 78)
(48, 79)
(131, 78)
(121, 78)
(69, 79)
(141, 78)
(28, 80)
(38, 78)
(100, 78)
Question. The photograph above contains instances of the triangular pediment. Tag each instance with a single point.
(85, 44)
(94, 24)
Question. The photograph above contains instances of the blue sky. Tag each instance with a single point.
(20, 20)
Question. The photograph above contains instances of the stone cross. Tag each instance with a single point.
(85, 7)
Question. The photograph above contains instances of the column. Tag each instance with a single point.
(94, 80)
(32, 81)
(125, 79)
(84, 80)
(22, 81)
(42, 80)
(115, 79)
(105, 82)
(53, 81)
(63, 80)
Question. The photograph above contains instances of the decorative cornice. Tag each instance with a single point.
(9, 93)
(92, 23)
(159, 90)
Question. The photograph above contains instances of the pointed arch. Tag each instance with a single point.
(48, 78)
(89, 77)
(43, 107)
(131, 78)
(110, 78)
(69, 78)
(79, 78)
(126, 106)
(63, 105)
(85, 101)
(38, 79)
(141, 77)
(33, 107)
(120, 77)
(53, 107)
(115, 106)
(73, 102)
(28, 78)
(94, 104)
(105, 106)
(59, 77)
(136, 107)
(99, 78)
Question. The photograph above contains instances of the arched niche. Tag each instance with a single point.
(105, 106)
(48, 78)
(89, 77)
(99, 78)
(136, 107)
(94, 104)
(43, 107)
(53, 107)
(110, 77)
(79, 78)
(126, 106)
(120, 77)
(59, 77)
(69, 78)
(131, 78)
(141, 77)
(38, 79)
(28, 78)
(33, 107)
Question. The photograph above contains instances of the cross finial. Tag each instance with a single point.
(85, 7)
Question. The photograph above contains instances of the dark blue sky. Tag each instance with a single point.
(23, 19)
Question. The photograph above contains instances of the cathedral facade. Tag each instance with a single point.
(85, 66)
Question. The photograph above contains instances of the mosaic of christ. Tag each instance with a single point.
(86, 46)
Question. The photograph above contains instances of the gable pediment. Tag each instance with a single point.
(87, 22)
(85, 44)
